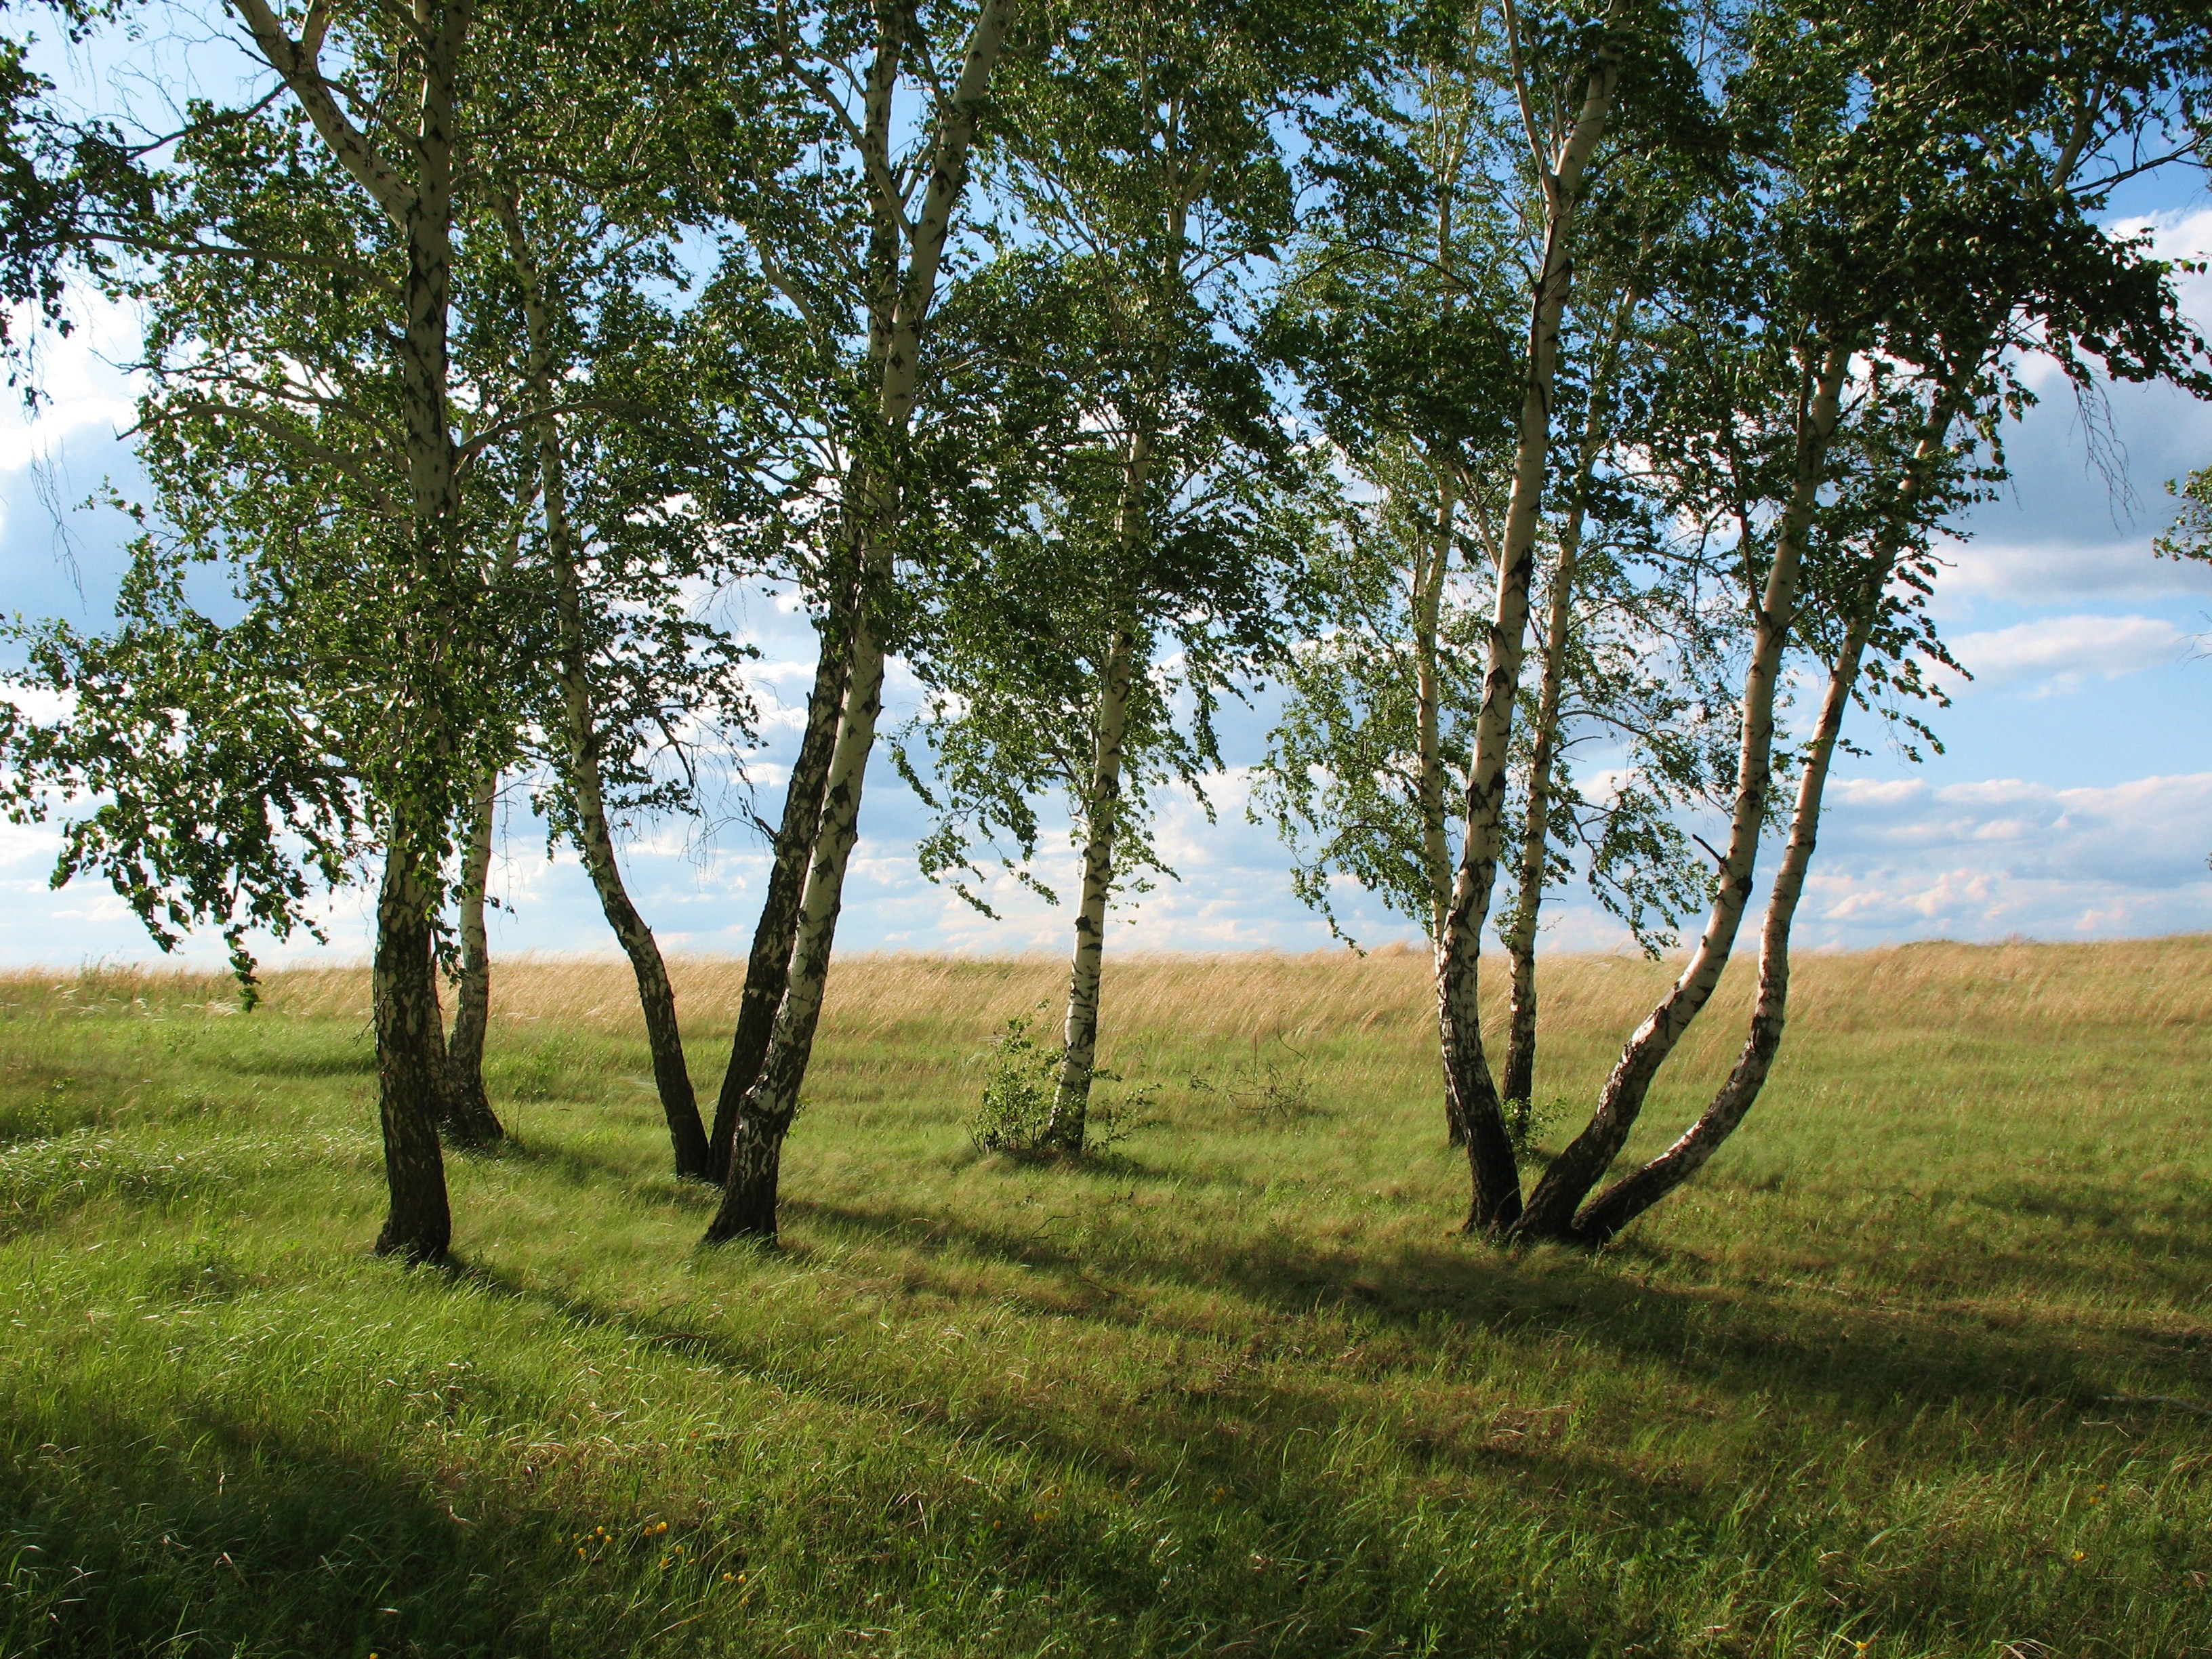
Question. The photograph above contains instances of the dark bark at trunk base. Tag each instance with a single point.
(1519, 1082)
(1495, 1201)
(469, 1118)
(411, 1069)
(768, 969)
(749, 1197)
(687, 1135)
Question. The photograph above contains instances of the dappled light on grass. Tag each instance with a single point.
(1887, 1375)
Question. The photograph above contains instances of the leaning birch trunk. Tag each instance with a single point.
(1430, 572)
(411, 1059)
(1520, 1080)
(656, 997)
(1627, 1199)
(1496, 1183)
(749, 1195)
(763, 1115)
(1551, 1208)
(1102, 814)
(469, 1118)
(768, 969)
(1613, 1209)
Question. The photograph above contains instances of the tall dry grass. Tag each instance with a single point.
(1243, 997)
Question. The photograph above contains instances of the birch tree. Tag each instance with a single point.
(1503, 118)
(2010, 261)
(618, 554)
(1138, 151)
(311, 431)
(872, 297)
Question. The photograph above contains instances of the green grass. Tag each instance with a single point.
(1236, 1389)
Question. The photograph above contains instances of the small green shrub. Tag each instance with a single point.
(1017, 1091)
(1527, 1123)
(1022, 1085)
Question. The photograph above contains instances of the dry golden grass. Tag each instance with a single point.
(1237, 998)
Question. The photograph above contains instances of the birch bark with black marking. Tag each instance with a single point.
(469, 1118)
(1604, 1216)
(749, 1193)
(411, 1060)
(767, 969)
(1551, 1208)
(1520, 1077)
(764, 1114)
(410, 1043)
(1496, 1199)
(656, 996)
(1071, 1104)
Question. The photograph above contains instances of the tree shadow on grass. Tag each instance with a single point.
(1740, 1338)
(1226, 1434)
(1310, 1454)
(577, 1168)
(251, 1542)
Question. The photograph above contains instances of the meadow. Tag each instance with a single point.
(1922, 1365)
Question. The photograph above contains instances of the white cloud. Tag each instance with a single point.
(2062, 652)
(2058, 571)
(1901, 859)
(82, 388)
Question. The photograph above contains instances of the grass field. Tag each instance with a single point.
(1907, 1372)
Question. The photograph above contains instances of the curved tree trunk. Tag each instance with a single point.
(895, 317)
(594, 839)
(1551, 1208)
(749, 1195)
(411, 1060)
(469, 1118)
(1430, 574)
(1495, 1201)
(1627, 1199)
(1103, 811)
(1520, 1078)
(768, 969)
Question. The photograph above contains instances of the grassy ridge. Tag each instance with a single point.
(1886, 1381)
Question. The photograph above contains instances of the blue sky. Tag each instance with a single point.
(2073, 798)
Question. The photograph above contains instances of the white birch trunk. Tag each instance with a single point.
(1101, 812)
(411, 1061)
(1496, 1200)
(1551, 1207)
(1431, 570)
(1519, 1080)
(763, 1116)
(749, 1195)
(1604, 1215)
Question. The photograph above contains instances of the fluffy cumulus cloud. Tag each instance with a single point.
(1907, 859)
(2057, 653)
